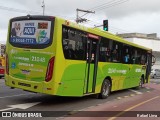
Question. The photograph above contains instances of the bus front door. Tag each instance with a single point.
(91, 65)
(150, 62)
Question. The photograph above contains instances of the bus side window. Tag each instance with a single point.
(70, 52)
(136, 57)
(104, 50)
(73, 43)
(133, 55)
(114, 55)
(126, 58)
(103, 55)
(143, 58)
(127, 54)
(116, 52)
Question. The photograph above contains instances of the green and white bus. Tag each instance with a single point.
(50, 55)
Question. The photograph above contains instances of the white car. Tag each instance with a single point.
(155, 73)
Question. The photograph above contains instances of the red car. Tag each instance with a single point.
(1, 72)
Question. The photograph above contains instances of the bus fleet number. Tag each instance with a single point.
(38, 59)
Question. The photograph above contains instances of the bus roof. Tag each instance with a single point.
(101, 33)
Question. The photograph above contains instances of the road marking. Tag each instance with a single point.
(59, 118)
(132, 95)
(82, 109)
(137, 92)
(99, 104)
(119, 98)
(90, 107)
(20, 106)
(7, 109)
(128, 109)
(148, 88)
(15, 95)
(72, 112)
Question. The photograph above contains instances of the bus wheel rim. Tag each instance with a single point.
(106, 88)
(140, 83)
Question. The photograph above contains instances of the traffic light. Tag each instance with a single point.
(105, 25)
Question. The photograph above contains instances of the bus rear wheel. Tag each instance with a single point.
(105, 89)
(141, 82)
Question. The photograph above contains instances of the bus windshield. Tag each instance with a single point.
(31, 33)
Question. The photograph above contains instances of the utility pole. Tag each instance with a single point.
(79, 19)
(43, 6)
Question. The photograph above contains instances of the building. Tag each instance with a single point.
(147, 40)
(2, 49)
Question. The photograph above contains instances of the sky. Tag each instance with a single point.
(125, 16)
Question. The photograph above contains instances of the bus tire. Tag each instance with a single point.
(105, 89)
(141, 82)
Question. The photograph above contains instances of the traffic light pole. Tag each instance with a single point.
(95, 26)
(104, 25)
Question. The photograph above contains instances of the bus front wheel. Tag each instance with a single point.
(105, 89)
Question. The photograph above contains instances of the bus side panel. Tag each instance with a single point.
(72, 82)
(123, 75)
(112, 70)
(136, 73)
(132, 76)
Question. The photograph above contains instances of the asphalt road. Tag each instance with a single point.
(17, 100)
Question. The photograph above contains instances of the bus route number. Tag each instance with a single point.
(38, 59)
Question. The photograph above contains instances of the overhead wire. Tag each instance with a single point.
(18, 10)
(112, 5)
(94, 8)
(107, 5)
